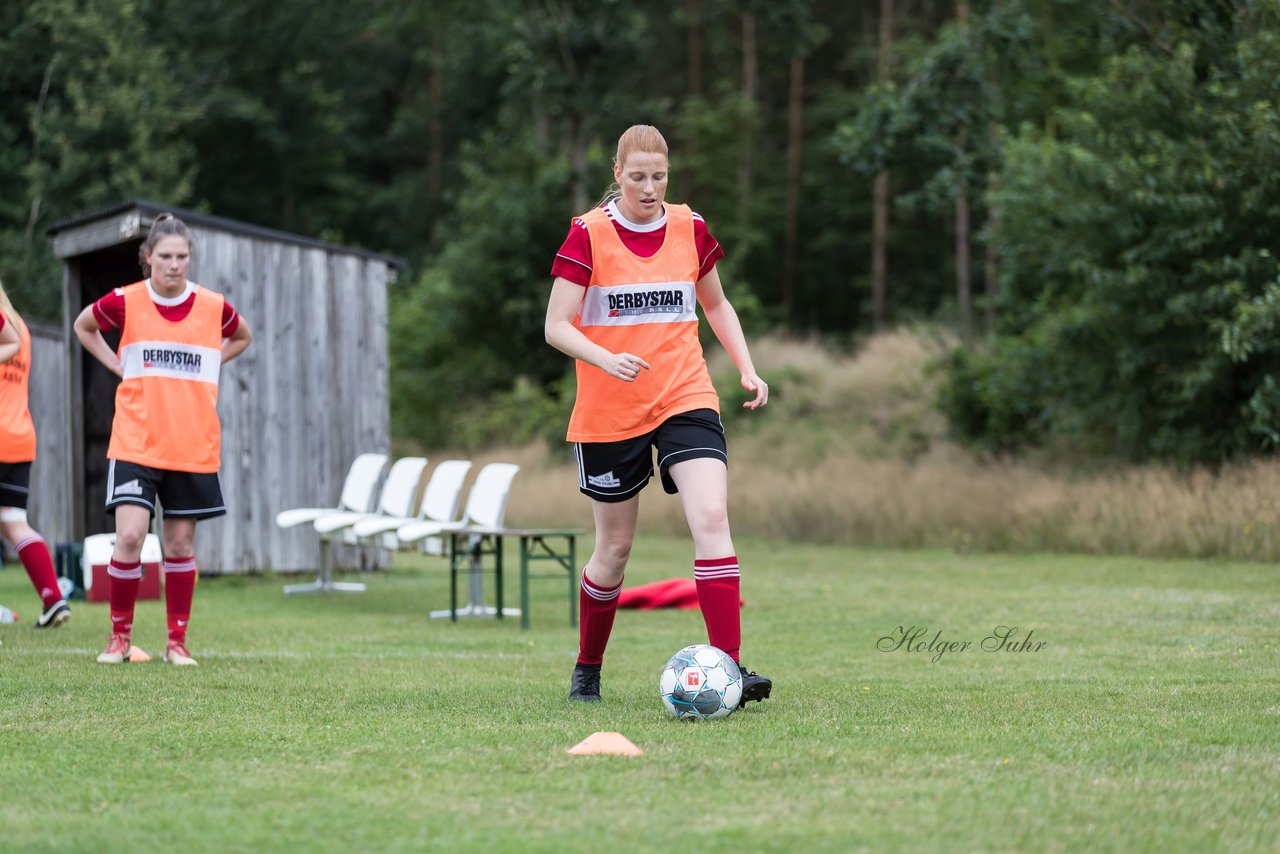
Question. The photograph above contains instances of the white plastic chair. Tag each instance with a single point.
(486, 508)
(357, 496)
(486, 505)
(357, 492)
(440, 502)
(396, 501)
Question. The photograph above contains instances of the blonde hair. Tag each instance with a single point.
(164, 225)
(6, 307)
(643, 138)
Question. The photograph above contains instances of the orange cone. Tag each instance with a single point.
(606, 743)
(138, 656)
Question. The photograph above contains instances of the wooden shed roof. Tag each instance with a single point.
(148, 209)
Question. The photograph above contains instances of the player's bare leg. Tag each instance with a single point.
(703, 485)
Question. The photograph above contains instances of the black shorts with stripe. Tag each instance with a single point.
(615, 471)
(15, 485)
(182, 494)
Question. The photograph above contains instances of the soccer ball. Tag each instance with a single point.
(700, 683)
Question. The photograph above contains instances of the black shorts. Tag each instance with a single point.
(15, 485)
(615, 471)
(182, 494)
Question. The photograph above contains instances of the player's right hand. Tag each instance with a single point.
(624, 366)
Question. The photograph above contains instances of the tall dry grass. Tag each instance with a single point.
(851, 450)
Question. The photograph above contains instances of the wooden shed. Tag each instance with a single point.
(308, 396)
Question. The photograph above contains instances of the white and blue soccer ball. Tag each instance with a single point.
(701, 683)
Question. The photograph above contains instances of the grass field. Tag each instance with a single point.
(1150, 720)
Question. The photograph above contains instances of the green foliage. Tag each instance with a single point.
(1249, 337)
(1136, 276)
(288, 82)
(105, 120)
(1121, 159)
(517, 416)
(986, 405)
(473, 322)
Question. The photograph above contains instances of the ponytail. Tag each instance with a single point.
(6, 308)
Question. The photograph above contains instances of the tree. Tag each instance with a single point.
(750, 83)
(804, 32)
(964, 285)
(880, 220)
(107, 121)
(1138, 278)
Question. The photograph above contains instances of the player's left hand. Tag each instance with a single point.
(751, 382)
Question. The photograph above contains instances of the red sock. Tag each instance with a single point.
(179, 588)
(597, 606)
(34, 555)
(717, 582)
(123, 589)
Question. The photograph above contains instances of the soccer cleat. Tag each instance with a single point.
(118, 650)
(55, 615)
(754, 686)
(176, 653)
(584, 687)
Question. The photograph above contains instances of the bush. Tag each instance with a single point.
(1134, 241)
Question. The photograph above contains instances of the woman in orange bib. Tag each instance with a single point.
(165, 438)
(17, 453)
(628, 281)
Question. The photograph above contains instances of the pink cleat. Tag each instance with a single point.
(176, 653)
(118, 650)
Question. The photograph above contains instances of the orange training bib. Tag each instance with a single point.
(167, 402)
(647, 307)
(17, 432)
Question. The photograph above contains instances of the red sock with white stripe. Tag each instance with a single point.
(123, 578)
(597, 607)
(34, 555)
(717, 581)
(179, 589)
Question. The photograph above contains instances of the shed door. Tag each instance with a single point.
(100, 271)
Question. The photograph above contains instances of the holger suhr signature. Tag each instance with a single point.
(917, 639)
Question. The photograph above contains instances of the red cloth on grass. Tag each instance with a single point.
(672, 593)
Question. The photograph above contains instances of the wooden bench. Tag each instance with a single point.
(468, 548)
